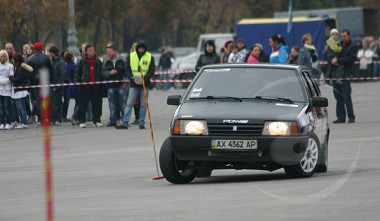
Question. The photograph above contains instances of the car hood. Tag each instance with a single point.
(247, 110)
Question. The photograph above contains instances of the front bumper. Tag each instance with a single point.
(284, 150)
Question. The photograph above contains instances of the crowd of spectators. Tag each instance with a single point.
(19, 104)
(20, 75)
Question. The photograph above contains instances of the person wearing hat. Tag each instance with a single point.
(38, 61)
(139, 61)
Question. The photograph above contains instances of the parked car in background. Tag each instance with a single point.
(189, 62)
(247, 116)
(178, 53)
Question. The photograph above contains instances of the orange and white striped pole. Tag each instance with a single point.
(158, 177)
(45, 122)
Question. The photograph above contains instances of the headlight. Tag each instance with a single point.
(280, 128)
(190, 127)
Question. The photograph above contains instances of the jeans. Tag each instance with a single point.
(27, 105)
(75, 112)
(165, 85)
(14, 112)
(116, 102)
(376, 69)
(133, 93)
(5, 110)
(342, 94)
(89, 111)
(21, 108)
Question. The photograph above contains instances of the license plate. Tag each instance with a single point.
(234, 144)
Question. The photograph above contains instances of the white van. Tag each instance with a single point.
(189, 62)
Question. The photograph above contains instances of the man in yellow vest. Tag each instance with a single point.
(139, 59)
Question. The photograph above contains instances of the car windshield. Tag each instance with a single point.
(248, 83)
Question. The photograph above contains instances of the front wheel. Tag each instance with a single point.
(174, 170)
(308, 164)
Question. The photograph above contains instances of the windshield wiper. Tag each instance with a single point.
(274, 98)
(216, 98)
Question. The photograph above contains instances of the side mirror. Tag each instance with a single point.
(319, 102)
(174, 100)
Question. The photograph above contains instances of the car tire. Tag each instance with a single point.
(175, 170)
(323, 163)
(309, 162)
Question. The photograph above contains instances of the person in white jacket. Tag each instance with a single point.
(365, 55)
(6, 70)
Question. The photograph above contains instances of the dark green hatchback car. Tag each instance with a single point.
(247, 116)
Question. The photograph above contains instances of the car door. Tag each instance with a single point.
(318, 115)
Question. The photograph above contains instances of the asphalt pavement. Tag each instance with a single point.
(106, 174)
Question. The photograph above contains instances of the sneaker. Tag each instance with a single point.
(121, 126)
(8, 127)
(136, 122)
(56, 123)
(14, 124)
(339, 121)
(111, 124)
(98, 124)
(141, 126)
(65, 120)
(21, 126)
(2, 127)
(30, 119)
(82, 125)
(73, 121)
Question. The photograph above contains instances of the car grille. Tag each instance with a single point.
(228, 129)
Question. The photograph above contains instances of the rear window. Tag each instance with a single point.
(248, 83)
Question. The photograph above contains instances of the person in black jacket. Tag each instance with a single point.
(38, 61)
(89, 70)
(59, 77)
(342, 89)
(20, 78)
(114, 69)
(164, 64)
(209, 57)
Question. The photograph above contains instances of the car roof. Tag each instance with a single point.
(256, 65)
